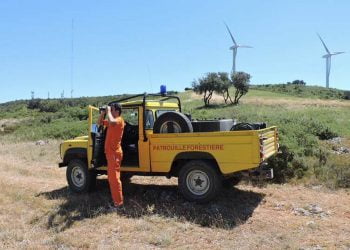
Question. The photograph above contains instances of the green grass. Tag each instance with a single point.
(302, 130)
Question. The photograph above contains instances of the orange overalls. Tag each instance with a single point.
(114, 155)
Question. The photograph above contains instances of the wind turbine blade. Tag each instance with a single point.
(337, 53)
(324, 45)
(245, 46)
(228, 29)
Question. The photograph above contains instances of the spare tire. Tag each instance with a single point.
(172, 122)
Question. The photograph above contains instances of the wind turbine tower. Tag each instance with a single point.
(328, 57)
(234, 49)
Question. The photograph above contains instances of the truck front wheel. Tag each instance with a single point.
(199, 181)
(79, 178)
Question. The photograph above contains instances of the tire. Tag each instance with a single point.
(202, 174)
(242, 126)
(248, 126)
(172, 122)
(231, 182)
(80, 179)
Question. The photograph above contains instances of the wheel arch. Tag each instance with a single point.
(74, 153)
(183, 157)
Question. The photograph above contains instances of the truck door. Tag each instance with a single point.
(130, 137)
(135, 149)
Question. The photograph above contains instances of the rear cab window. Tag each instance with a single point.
(162, 111)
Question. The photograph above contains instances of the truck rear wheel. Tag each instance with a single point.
(79, 178)
(199, 181)
(172, 122)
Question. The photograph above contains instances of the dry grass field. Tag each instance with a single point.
(39, 212)
(288, 102)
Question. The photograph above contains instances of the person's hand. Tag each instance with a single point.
(108, 109)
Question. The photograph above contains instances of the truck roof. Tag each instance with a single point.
(150, 103)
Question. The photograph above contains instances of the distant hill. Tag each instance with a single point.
(305, 91)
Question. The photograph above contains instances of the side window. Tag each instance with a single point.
(131, 115)
(149, 119)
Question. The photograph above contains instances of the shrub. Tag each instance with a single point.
(77, 113)
(319, 129)
(34, 104)
(346, 95)
(50, 106)
(46, 119)
(65, 130)
(334, 175)
(281, 165)
(8, 129)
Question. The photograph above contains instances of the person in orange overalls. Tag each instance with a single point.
(113, 149)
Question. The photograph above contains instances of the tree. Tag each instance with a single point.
(240, 81)
(223, 86)
(297, 82)
(209, 84)
(220, 84)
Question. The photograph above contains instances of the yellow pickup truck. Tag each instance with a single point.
(159, 140)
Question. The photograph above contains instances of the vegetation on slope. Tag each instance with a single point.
(301, 90)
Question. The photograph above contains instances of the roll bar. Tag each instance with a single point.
(144, 98)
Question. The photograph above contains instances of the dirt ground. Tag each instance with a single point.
(37, 211)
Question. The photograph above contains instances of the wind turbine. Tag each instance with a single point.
(328, 57)
(234, 49)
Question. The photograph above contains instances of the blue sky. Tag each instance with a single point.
(135, 46)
